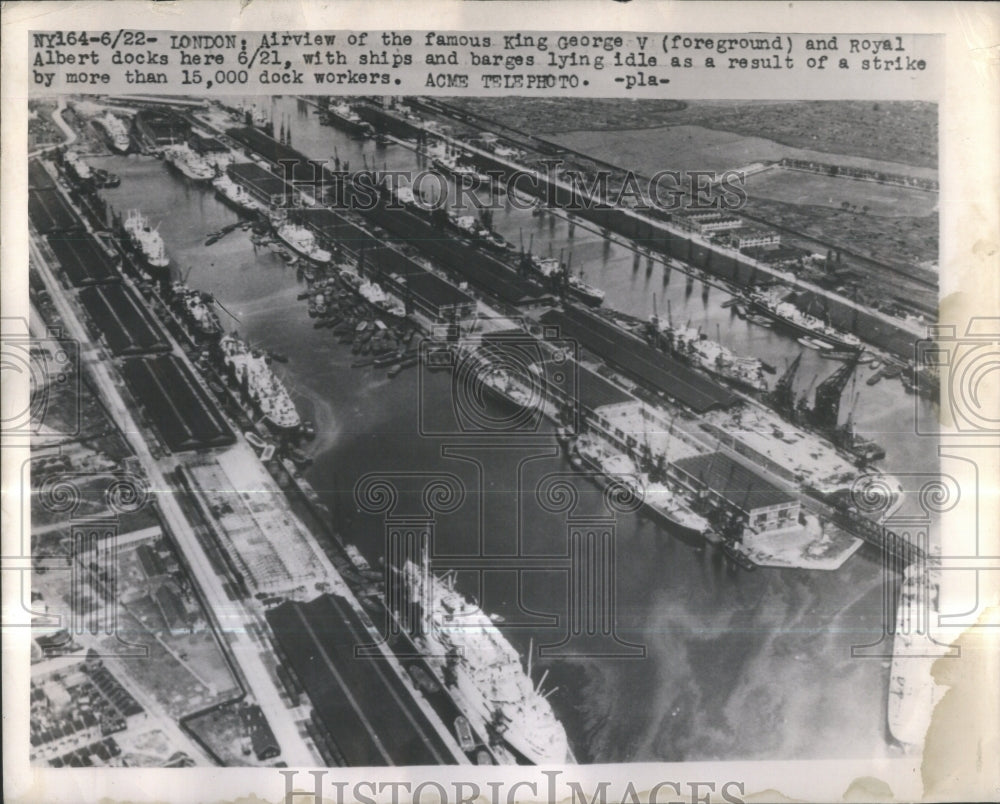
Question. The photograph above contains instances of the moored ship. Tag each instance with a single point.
(913, 692)
(666, 503)
(249, 368)
(553, 269)
(692, 345)
(78, 168)
(585, 292)
(345, 118)
(373, 294)
(483, 672)
(773, 304)
(451, 165)
(116, 131)
(302, 241)
(189, 163)
(195, 307)
(236, 195)
(147, 241)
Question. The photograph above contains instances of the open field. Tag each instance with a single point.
(692, 147)
(818, 189)
(894, 131)
(894, 240)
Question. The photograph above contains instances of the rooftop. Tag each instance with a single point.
(739, 484)
(640, 360)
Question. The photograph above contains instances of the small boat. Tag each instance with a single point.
(362, 362)
(739, 310)
(388, 359)
(406, 362)
(768, 367)
(730, 302)
(299, 458)
(759, 320)
(281, 358)
(876, 377)
(254, 440)
(812, 343)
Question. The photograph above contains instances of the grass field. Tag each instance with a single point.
(689, 147)
(893, 131)
(895, 240)
(817, 189)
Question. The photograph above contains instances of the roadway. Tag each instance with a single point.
(226, 615)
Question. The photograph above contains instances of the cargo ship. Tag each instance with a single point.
(692, 346)
(664, 502)
(551, 269)
(236, 196)
(302, 242)
(482, 671)
(188, 163)
(147, 241)
(589, 294)
(773, 304)
(913, 692)
(249, 369)
(461, 172)
(342, 116)
(374, 295)
(78, 168)
(116, 131)
(195, 308)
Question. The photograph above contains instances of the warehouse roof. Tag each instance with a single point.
(739, 484)
(49, 212)
(83, 259)
(646, 364)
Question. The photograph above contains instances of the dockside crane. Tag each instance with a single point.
(802, 409)
(826, 409)
(783, 395)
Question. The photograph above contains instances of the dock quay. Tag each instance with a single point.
(671, 240)
(509, 293)
(184, 440)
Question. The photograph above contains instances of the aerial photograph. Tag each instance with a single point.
(373, 431)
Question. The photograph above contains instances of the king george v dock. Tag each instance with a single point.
(354, 392)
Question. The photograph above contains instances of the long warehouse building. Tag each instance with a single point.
(639, 360)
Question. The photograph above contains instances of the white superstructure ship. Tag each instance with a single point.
(249, 368)
(483, 672)
(712, 356)
(772, 303)
(913, 692)
(117, 132)
(185, 160)
(78, 166)
(236, 195)
(146, 239)
(373, 294)
(302, 241)
(660, 498)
